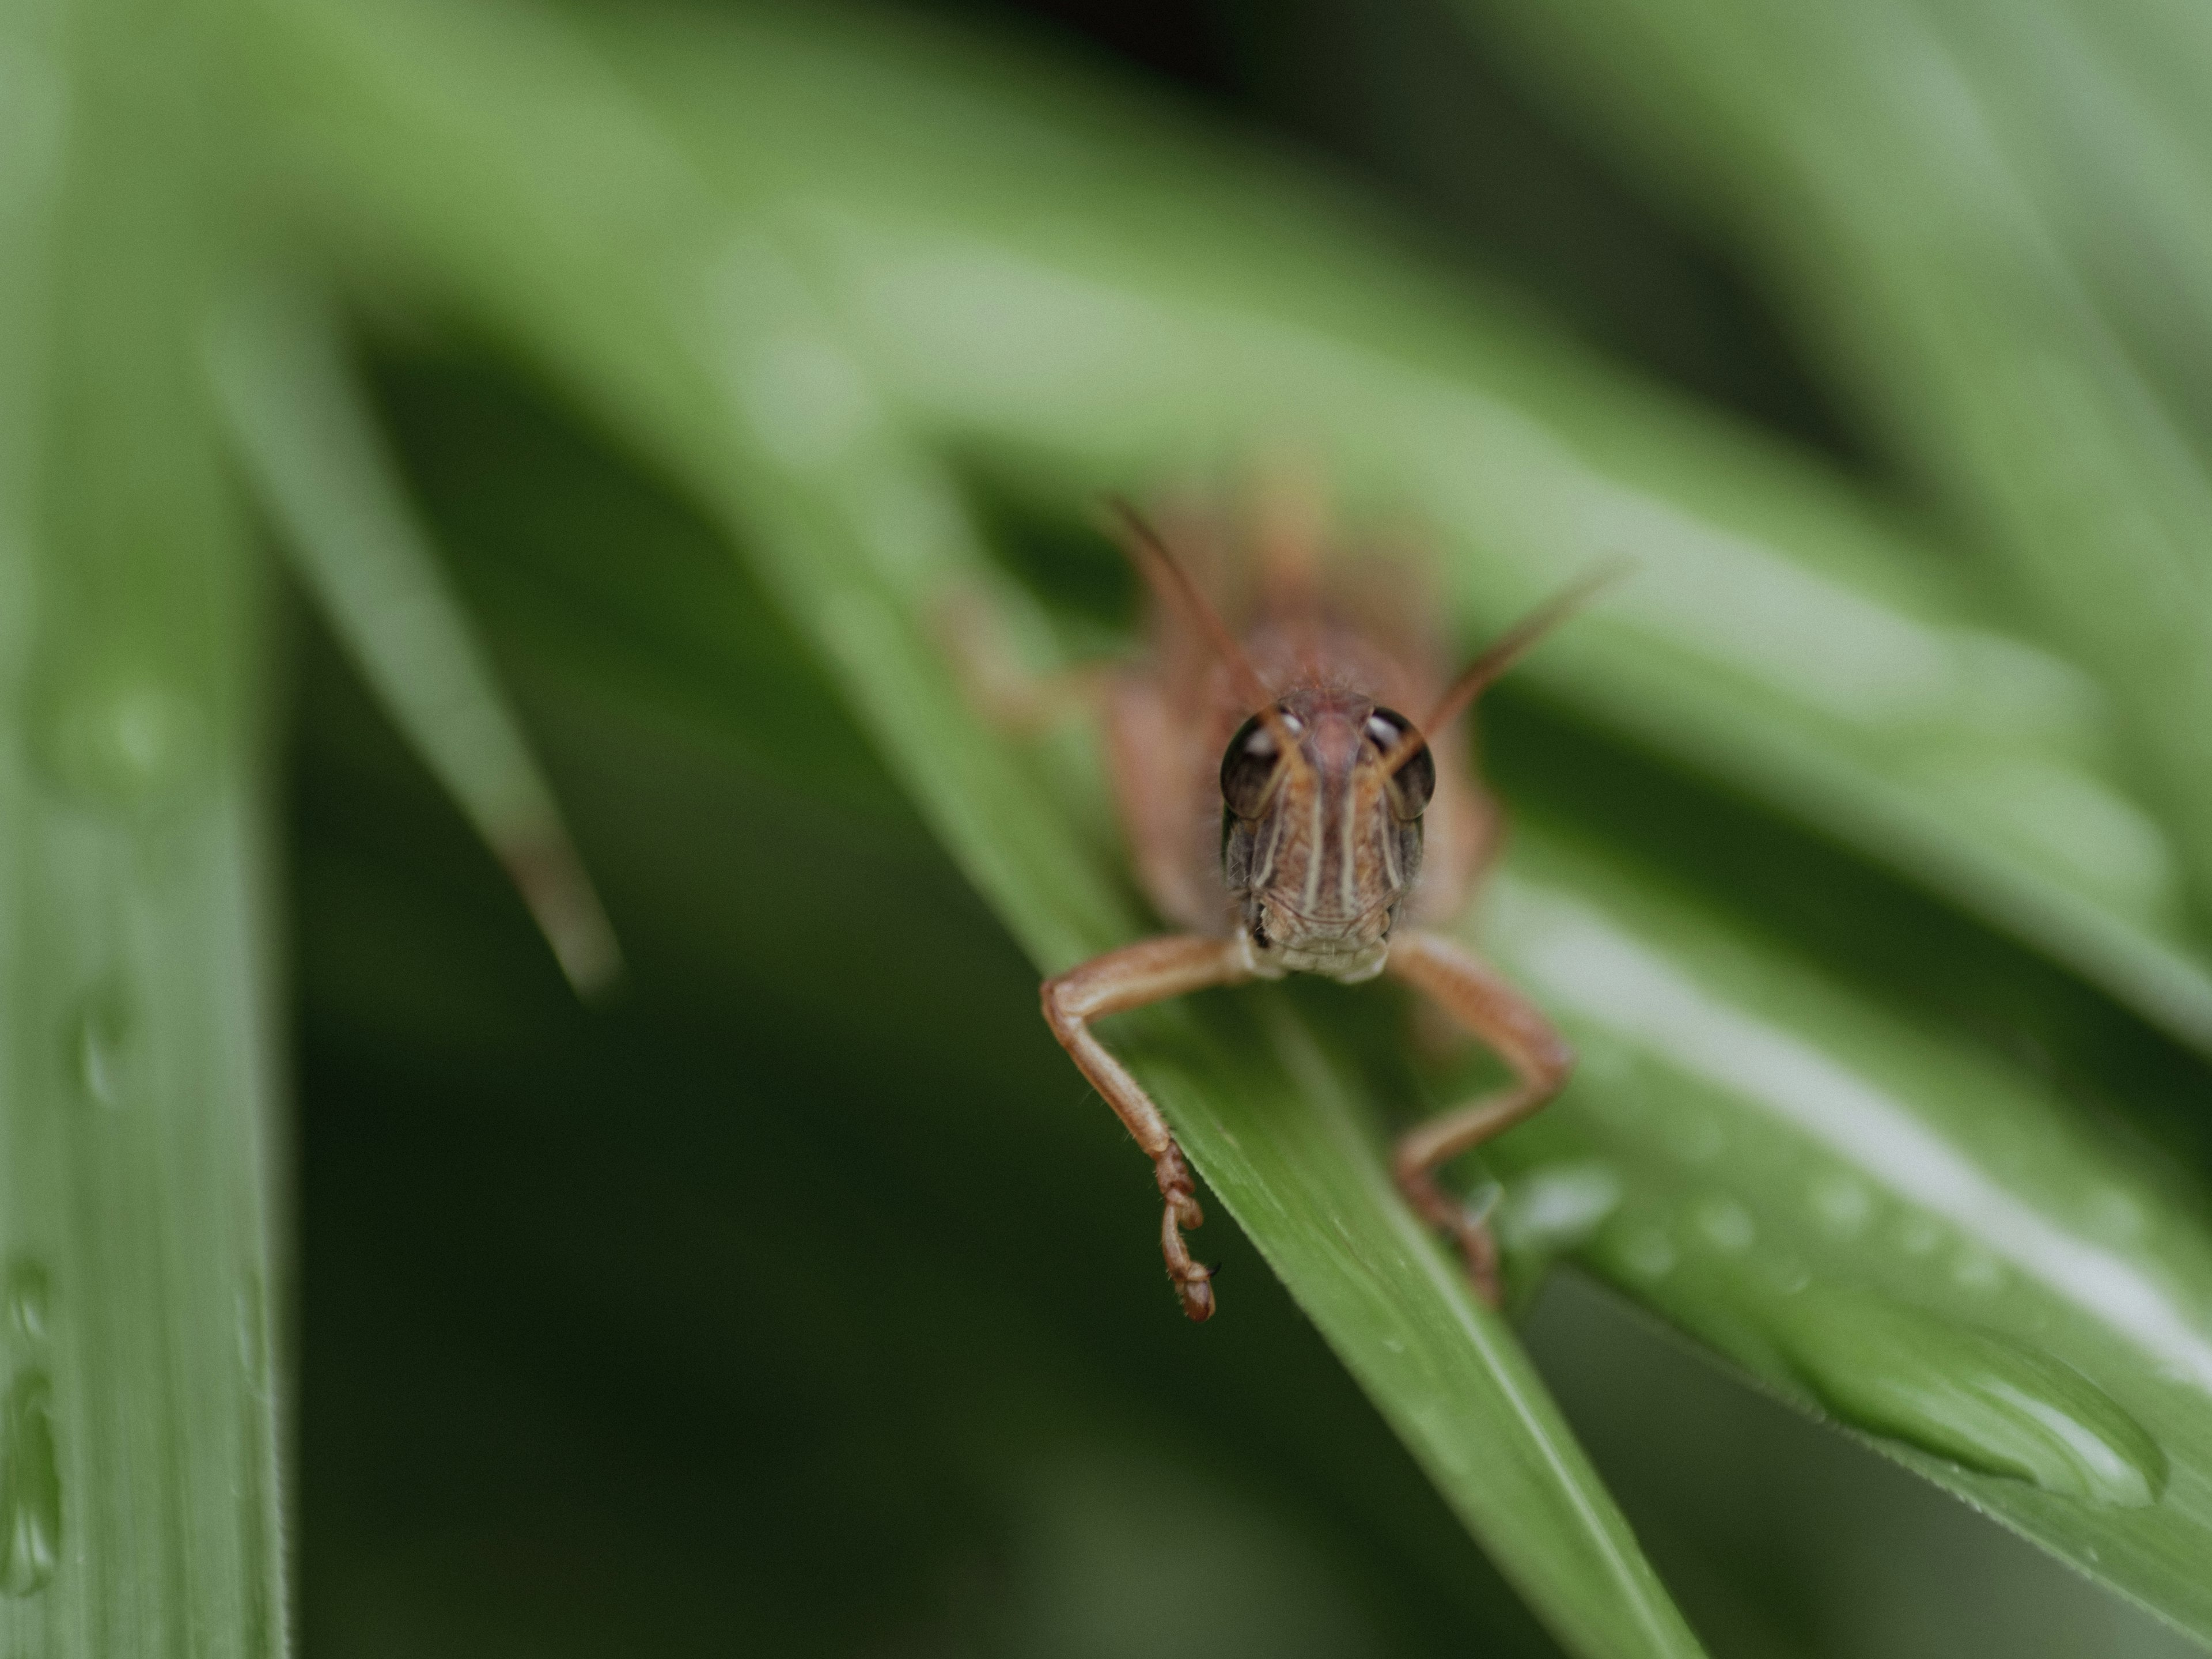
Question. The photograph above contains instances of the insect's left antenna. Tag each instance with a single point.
(1163, 571)
(1501, 654)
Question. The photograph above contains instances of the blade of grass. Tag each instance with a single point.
(1848, 147)
(542, 198)
(1781, 634)
(139, 1489)
(1878, 1224)
(2098, 111)
(314, 452)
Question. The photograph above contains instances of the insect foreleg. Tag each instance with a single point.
(1131, 977)
(1477, 996)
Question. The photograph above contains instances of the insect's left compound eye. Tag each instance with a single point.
(1248, 769)
(1415, 780)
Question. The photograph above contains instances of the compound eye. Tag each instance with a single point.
(1249, 768)
(1415, 780)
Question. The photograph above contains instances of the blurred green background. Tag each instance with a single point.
(525, 1128)
(671, 1325)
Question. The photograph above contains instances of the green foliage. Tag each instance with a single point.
(1804, 812)
(138, 1483)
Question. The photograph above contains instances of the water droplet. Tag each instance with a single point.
(1724, 1224)
(1843, 1204)
(1969, 1395)
(124, 741)
(1975, 1269)
(1648, 1252)
(30, 1486)
(1787, 1274)
(29, 1288)
(1919, 1235)
(1558, 1207)
(100, 1046)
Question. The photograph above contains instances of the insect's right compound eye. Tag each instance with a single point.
(1247, 770)
(1415, 779)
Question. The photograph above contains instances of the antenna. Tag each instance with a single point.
(1501, 653)
(1167, 575)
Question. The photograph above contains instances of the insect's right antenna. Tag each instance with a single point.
(1501, 653)
(1170, 577)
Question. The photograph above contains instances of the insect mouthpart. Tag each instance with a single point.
(1321, 843)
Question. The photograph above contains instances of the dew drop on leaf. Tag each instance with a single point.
(1558, 1206)
(1842, 1203)
(1975, 1269)
(1919, 1235)
(1976, 1398)
(28, 1289)
(1648, 1252)
(30, 1486)
(124, 742)
(98, 1044)
(1725, 1224)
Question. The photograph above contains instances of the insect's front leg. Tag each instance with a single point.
(1478, 997)
(1131, 977)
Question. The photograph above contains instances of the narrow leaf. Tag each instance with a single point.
(139, 1487)
(313, 449)
(1847, 146)
(1878, 1224)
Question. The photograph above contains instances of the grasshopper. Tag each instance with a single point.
(1287, 817)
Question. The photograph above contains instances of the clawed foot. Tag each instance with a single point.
(1478, 1250)
(1468, 1230)
(1193, 1283)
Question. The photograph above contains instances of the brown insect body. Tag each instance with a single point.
(1283, 809)
(1316, 880)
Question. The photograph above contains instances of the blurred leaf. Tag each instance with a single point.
(1205, 311)
(1866, 153)
(1872, 1220)
(313, 449)
(527, 186)
(139, 1488)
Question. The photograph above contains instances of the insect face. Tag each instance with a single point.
(1322, 798)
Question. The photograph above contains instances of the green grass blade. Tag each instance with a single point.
(652, 298)
(2098, 111)
(1780, 633)
(1848, 146)
(140, 1509)
(554, 211)
(313, 449)
(1878, 1224)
